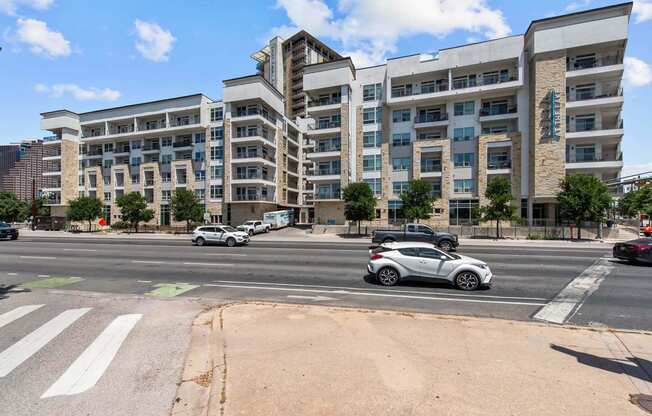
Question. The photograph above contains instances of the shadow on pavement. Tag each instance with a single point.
(417, 283)
(634, 366)
(630, 263)
(6, 289)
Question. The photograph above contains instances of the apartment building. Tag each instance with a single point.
(21, 168)
(532, 108)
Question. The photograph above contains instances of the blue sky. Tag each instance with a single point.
(85, 55)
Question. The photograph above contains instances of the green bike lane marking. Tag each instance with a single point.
(169, 290)
(52, 282)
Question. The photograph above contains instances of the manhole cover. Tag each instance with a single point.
(644, 401)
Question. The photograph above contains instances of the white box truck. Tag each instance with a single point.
(279, 219)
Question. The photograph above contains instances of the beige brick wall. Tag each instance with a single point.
(329, 210)
(69, 170)
(440, 219)
(156, 205)
(127, 187)
(546, 156)
(244, 211)
(386, 182)
(345, 144)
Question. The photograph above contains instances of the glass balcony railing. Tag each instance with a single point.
(258, 175)
(328, 101)
(593, 62)
(499, 164)
(253, 197)
(430, 118)
(497, 110)
(325, 125)
(254, 155)
(328, 195)
(427, 166)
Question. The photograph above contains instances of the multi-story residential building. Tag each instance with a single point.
(531, 108)
(21, 168)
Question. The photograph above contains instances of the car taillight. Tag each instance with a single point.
(640, 247)
(376, 256)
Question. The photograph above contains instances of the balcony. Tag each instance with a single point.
(330, 127)
(322, 105)
(498, 112)
(589, 130)
(588, 99)
(93, 153)
(606, 162)
(182, 145)
(316, 175)
(497, 164)
(430, 120)
(254, 136)
(430, 168)
(253, 197)
(253, 113)
(254, 157)
(596, 66)
(52, 198)
(151, 147)
(333, 195)
(252, 177)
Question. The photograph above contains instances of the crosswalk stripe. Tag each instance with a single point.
(19, 312)
(89, 367)
(16, 354)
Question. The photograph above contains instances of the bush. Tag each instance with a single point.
(535, 236)
(120, 225)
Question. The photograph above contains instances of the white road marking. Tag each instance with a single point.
(16, 354)
(148, 262)
(345, 292)
(38, 257)
(89, 367)
(12, 274)
(572, 297)
(315, 298)
(208, 264)
(43, 275)
(19, 312)
(381, 290)
(143, 281)
(79, 249)
(226, 254)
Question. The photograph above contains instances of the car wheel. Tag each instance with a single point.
(266, 230)
(251, 232)
(388, 240)
(200, 241)
(387, 276)
(230, 242)
(467, 281)
(445, 245)
(14, 237)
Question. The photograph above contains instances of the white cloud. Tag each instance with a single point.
(155, 42)
(77, 92)
(642, 10)
(11, 6)
(638, 73)
(370, 29)
(636, 169)
(41, 39)
(579, 4)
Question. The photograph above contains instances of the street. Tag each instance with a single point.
(527, 279)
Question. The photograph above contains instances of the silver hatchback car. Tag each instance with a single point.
(392, 262)
(219, 234)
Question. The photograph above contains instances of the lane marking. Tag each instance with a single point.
(52, 282)
(38, 257)
(8, 317)
(89, 367)
(143, 281)
(16, 354)
(571, 298)
(208, 264)
(43, 275)
(148, 262)
(79, 249)
(344, 292)
(382, 290)
(226, 254)
(315, 298)
(12, 274)
(169, 290)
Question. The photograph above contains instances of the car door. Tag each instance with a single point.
(218, 235)
(258, 227)
(425, 233)
(409, 259)
(432, 265)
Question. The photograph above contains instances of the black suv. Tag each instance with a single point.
(7, 231)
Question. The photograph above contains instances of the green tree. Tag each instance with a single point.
(499, 194)
(133, 208)
(637, 201)
(583, 198)
(186, 207)
(12, 209)
(84, 208)
(359, 202)
(418, 200)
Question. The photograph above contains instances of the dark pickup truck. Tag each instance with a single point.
(417, 232)
(7, 231)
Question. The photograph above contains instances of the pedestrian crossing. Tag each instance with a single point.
(84, 373)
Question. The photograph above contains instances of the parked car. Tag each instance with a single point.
(7, 231)
(639, 250)
(254, 227)
(219, 234)
(417, 232)
(393, 262)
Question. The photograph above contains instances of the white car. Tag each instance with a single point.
(219, 234)
(254, 227)
(392, 262)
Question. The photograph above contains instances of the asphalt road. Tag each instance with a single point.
(527, 278)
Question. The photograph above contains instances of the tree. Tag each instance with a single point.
(186, 207)
(583, 198)
(12, 209)
(636, 202)
(418, 200)
(133, 208)
(359, 202)
(499, 194)
(84, 208)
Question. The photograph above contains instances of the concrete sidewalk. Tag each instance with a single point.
(269, 359)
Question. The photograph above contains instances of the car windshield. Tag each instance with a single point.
(249, 223)
(229, 229)
(4, 225)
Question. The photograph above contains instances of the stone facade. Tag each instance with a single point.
(439, 218)
(156, 204)
(70, 170)
(329, 212)
(245, 211)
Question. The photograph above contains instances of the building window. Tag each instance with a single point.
(400, 187)
(401, 139)
(217, 172)
(135, 161)
(107, 196)
(200, 175)
(166, 195)
(166, 159)
(463, 134)
(463, 159)
(464, 186)
(463, 212)
(108, 163)
(166, 141)
(395, 211)
(166, 177)
(371, 163)
(372, 115)
(200, 194)
(400, 164)
(464, 108)
(372, 139)
(372, 92)
(217, 114)
(400, 116)
(216, 191)
(108, 147)
(376, 186)
(200, 138)
(217, 152)
(401, 90)
(136, 144)
(217, 133)
(199, 156)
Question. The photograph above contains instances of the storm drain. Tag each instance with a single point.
(644, 401)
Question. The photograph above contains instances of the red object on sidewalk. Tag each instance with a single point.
(102, 222)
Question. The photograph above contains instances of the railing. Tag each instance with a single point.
(328, 125)
(430, 118)
(328, 148)
(151, 146)
(254, 155)
(328, 195)
(92, 153)
(180, 123)
(184, 143)
(329, 101)
(496, 111)
(466, 83)
(149, 182)
(255, 112)
(51, 138)
(430, 167)
(53, 199)
(586, 159)
(129, 129)
(257, 133)
(253, 197)
(255, 176)
(594, 63)
(504, 164)
(429, 89)
(591, 95)
(122, 149)
(324, 172)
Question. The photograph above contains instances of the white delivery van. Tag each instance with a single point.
(279, 219)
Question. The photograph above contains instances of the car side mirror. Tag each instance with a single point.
(442, 257)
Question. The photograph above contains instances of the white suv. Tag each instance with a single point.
(219, 234)
(254, 227)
